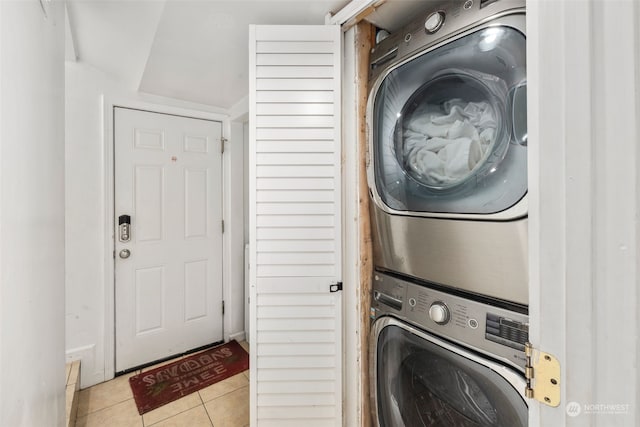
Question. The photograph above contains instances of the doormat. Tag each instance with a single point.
(167, 383)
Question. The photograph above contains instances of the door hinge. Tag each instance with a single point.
(542, 372)
(222, 141)
(223, 226)
(222, 306)
(335, 287)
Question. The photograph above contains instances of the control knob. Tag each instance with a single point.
(439, 313)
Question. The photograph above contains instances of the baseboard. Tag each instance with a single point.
(93, 379)
(85, 353)
(238, 336)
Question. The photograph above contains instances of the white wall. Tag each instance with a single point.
(32, 381)
(86, 216)
(85, 219)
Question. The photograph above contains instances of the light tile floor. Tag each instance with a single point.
(224, 404)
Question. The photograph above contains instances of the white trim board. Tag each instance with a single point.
(350, 12)
(352, 381)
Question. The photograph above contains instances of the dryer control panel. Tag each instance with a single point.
(443, 19)
(495, 331)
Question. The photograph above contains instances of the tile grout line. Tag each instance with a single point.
(106, 407)
(141, 415)
(224, 394)
(110, 406)
(138, 372)
(202, 403)
(144, 423)
(205, 408)
(176, 414)
(221, 396)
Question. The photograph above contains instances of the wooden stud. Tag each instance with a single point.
(365, 39)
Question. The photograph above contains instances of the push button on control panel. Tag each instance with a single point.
(434, 22)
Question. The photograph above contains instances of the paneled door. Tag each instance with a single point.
(168, 235)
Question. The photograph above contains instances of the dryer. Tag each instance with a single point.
(447, 153)
(441, 360)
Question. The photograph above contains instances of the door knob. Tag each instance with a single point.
(125, 253)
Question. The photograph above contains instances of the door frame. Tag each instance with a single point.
(108, 104)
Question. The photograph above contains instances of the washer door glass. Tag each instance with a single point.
(420, 383)
(449, 131)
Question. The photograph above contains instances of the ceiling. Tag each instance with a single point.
(195, 51)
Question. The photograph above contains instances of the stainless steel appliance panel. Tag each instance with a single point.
(482, 257)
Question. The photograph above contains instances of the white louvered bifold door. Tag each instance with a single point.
(295, 255)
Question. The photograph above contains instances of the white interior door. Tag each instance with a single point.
(168, 180)
(584, 196)
(295, 226)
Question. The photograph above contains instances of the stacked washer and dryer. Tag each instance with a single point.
(447, 172)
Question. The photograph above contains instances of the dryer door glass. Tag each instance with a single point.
(449, 127)
(420, 383)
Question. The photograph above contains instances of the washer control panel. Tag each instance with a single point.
(492, 330)
(506, 331)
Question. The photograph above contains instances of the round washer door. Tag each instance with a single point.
(421, 380)
(449, 127)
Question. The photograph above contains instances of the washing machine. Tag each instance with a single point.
(447, 149)
(440, 360)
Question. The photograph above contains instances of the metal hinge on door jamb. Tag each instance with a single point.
(222, 306)
(222, 141)
(542, 372)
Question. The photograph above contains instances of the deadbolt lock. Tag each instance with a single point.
(124, 226)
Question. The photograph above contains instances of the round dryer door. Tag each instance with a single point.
(449, 127)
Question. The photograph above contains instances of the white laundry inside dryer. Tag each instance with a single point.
(448, 128)
(443, 145)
